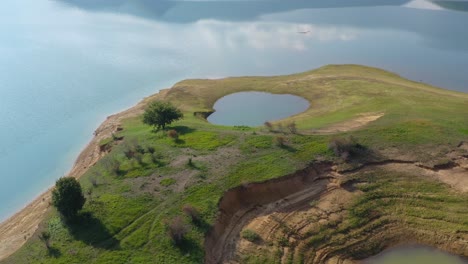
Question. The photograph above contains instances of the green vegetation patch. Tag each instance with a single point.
(168, 182)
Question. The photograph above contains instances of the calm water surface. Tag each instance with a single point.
(414, 255)
(254, 108)
(67, 64)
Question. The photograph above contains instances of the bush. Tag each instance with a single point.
(110, 164)
(173, 134)
(44, 236)
(159, 114)
(268, 125)
(151, 150)
(139, 159)
(192, 212)
(283, 241)
(168, 182)
(68, 197)
(280, 141)
(345, 147)
(250, 235)
(280, 128)
(292, 127)
(177, 230)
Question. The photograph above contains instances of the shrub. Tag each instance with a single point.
(190, 163)
(139, 158)
(129, 153)
(93, 179)
(280, 141)
(292, 127)
(192, 212)
(68, 197)
(177, 230)
(280, 128)
(44, 236)
(268, 125)
(173, 134)
(151, 150)
(167, 182)
(345, 147)
(110, 164)
(283, 241)
(250, 235)
(139, 149)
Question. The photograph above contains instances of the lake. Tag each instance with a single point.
(255, 108)
(414, 255)
(67, 64)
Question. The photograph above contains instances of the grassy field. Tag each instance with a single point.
(132, 200)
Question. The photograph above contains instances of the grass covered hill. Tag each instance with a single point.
(149, 187)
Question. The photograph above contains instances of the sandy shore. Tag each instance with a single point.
(17, 229)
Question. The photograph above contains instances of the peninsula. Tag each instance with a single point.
(375, 161)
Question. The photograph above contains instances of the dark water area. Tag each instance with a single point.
(415, 255)
(255, 108)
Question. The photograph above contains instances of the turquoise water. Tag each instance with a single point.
(255, 108)
(67, 64)
(415, 255)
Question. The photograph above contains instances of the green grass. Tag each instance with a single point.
(168, 182)
(126, 214)
(250, 235)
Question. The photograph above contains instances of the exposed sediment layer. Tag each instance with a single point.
(282, 208)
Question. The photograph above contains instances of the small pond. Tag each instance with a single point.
(414, 255)
(254, 108)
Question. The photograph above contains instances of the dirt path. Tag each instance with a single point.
(17, 229)
(349, 125)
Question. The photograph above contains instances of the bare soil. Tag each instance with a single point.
(297, 205)
(352, 124)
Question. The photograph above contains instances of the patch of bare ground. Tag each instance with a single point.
(349, 125)
(15, 231)
(287, 214)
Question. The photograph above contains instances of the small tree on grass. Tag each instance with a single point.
(177, 230)
(68, 197)
(159, 114)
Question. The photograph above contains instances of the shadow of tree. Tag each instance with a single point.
(201, 225)
(191, 248)
(53, 252)
(90, 230)
(179, 141)
(288, 148)
(182, 130)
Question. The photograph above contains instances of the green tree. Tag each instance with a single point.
(159, 114)
(68, 197)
